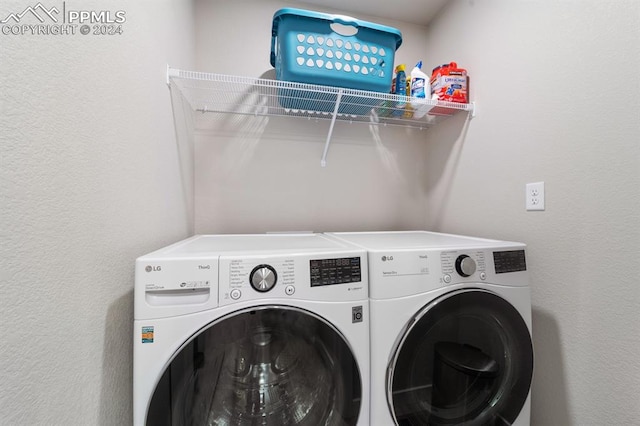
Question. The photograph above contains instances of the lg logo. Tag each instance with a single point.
(150, 268)
(385, 258)
(356, 314)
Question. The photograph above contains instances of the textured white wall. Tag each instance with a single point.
(558, 89)
(90, 179)
(263, 174)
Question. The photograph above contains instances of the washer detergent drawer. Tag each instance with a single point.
(191, 296)
(170, 287)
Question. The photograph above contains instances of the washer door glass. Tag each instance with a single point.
(262, 366)
(466, 359)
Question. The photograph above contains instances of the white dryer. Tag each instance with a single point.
(450, 329)
(252, 330)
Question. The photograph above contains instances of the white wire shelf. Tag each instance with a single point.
(219, 93)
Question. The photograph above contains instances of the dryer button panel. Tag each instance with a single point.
(509, 261)
(506, 266)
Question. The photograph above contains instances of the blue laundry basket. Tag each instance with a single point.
(331, 50)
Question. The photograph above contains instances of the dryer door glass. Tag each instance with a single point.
(262, 366)
(466, 359)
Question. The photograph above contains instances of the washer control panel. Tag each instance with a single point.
(319, 278)
(335, 271)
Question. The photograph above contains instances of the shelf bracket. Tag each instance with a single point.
(323, 161)
(171, 72)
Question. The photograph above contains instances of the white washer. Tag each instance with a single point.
(252, 329)
(450, 329)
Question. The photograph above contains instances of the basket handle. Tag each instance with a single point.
(340, 22)
(273, 48)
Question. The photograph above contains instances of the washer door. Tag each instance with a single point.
(465, 359)
(264, 366)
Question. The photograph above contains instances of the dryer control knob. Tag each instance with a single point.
(465, 265)
(263, 278)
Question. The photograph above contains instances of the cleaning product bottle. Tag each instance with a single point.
(408, 110)
(400, 89)
(420, 91)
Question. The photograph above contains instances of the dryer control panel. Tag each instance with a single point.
(464, 263)
(486, 265)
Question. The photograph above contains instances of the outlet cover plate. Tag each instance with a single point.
(535, 196)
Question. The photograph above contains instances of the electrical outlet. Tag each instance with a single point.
(535, 196)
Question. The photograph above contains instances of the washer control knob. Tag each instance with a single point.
(263, 278)
(465, 265)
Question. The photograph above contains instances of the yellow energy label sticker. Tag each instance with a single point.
(147, 334)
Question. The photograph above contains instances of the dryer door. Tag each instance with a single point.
(465, 359)
(271, 365)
